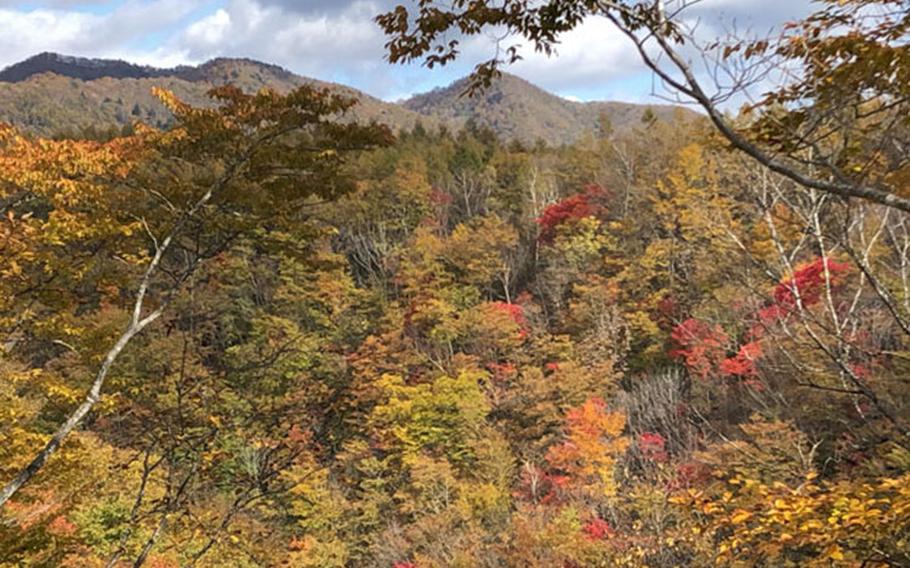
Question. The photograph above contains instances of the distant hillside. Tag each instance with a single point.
(78, 68)
(51, 94)
(514, 108)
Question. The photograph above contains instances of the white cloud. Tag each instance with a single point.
(40, 30)
(210, 31)
(594, 52)
(323, 45)
(27, 32)
(336, 40)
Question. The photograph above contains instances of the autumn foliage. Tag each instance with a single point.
(702, 347)
(445, 350)
(588, 203)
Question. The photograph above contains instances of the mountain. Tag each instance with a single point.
(78, 68)
(517, 109)
(51, 94)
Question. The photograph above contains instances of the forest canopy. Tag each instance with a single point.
(274, 335)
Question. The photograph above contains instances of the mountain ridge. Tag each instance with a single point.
(516, 108)
(84, 68)
(50, 93)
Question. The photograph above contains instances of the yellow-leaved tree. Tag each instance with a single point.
(125, 224)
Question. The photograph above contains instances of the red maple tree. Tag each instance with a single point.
(572, 208)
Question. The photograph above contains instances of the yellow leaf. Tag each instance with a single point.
(835, 553)
(740, 516)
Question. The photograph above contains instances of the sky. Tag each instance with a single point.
(336, 40)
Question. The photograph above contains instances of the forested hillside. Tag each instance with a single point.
(56, 95)
(273, 334)
(517, 110)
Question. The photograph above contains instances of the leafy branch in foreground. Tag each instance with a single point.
(835, 118)
(153, 207)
